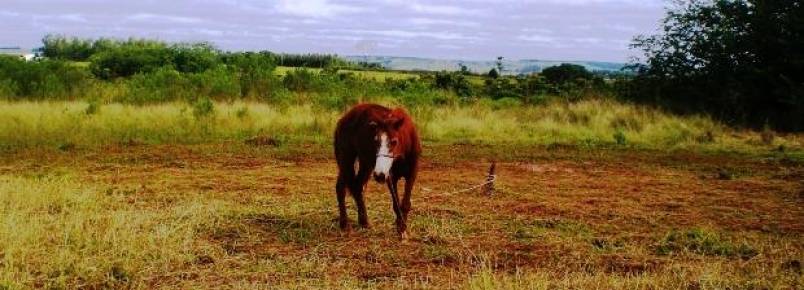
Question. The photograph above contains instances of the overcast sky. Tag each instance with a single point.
(465, 29)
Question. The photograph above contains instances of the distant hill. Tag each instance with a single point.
(522, 66)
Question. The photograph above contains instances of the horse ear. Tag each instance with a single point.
(397, 122)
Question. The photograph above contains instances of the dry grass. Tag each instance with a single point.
(236, 216)
(587, 124)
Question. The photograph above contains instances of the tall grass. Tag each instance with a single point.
(586, 123)
(57, 234)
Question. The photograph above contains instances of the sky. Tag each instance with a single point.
(466, 29)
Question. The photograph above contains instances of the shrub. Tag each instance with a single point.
(165, 84)
(218, 83)
(194, 58)
(566, 73)
(301, 80)
(454, 81)
(311, 60)
(619, 137)
(254, 71)
(506, 103)
(502, 87)
(128, 61)
(92, 108)
(242, 113)
(48, 79)
(415, 92)
(203, 107)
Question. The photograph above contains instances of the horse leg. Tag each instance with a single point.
(340, 189)
(392, 186)
(406, 200)
(346, 175)
(357, 193)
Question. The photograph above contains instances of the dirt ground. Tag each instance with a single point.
(558, 213)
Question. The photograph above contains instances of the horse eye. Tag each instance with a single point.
(393, 142)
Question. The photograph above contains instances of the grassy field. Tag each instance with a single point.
(587, 124)
(380, 75)
(591, 195)
(236, 216)
(375, 75)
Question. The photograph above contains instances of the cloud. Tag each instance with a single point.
(73, 18)
(442, 9)
(449, 46)
(148, 17)
(436, 21)
(420, 7)
(537, 38)
(591, 2)
(315, 8)
(588, 40)
(9, 13)
(441, 35)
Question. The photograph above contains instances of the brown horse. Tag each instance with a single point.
(384, 143)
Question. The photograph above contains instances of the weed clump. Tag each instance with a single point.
(263, 141)
(203, 108)
(242, 113)
(619, 138)
(92, 108)
(702, 242)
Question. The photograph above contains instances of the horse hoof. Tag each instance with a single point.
(403, 236)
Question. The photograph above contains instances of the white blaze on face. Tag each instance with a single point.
(384, 160)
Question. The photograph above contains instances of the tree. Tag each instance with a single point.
(493, 73)
(464, 69)
(128, 60)
(194, 58)
(738, 60)
(566, 73)
(61, 47)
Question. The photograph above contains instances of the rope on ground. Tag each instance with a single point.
(490, 180)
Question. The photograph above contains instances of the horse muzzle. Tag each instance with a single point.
(380, 177)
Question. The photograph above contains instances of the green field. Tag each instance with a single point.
(374, 75)
(593, 194)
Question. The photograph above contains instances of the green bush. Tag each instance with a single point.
(92, 108)
(203, 107)
(220, 83)
(506, 103)
(416, 92)
(49, 79)
(619, 137)
(254, 72)
(128, 61)
(194, 58)
(164, 84)
(454, 81)
(302, 80)
(565, 73)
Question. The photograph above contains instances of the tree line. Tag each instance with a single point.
(739, 61)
